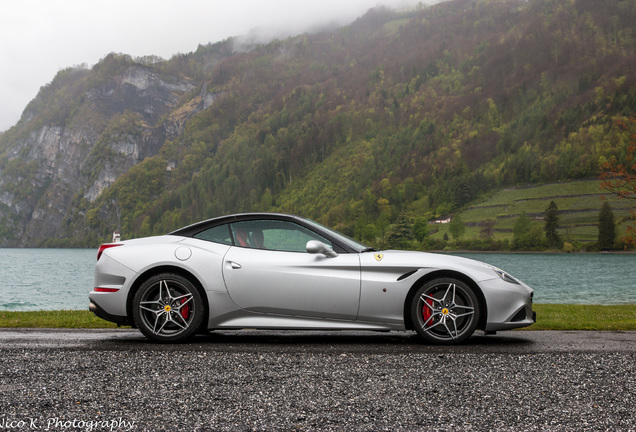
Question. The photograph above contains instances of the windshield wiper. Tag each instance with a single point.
(370, 249)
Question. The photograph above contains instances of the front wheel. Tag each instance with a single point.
(445, 311)
(168, 308)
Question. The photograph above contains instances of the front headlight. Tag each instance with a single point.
(505, 276)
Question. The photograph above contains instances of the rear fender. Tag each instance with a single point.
(165, 269)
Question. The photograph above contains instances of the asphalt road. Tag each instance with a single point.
(510, 342)
(97, 380)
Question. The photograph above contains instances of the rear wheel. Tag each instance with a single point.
(168, 308)
(445, 311)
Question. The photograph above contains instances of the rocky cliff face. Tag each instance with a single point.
(48, 171)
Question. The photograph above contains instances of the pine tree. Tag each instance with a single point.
(401, 234)
(606, 227)
(551, 224)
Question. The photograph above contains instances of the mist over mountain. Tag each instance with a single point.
(400, 114)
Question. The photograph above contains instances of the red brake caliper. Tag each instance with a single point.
(427, 311)
(185, 310)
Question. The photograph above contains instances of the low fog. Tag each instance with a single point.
(40, 37)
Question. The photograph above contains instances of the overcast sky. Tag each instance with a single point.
(40, 37)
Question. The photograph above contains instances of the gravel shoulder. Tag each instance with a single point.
(115, 380)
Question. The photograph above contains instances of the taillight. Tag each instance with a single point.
(105, 246)
(102, 289)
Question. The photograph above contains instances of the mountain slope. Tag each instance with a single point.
(398, 114)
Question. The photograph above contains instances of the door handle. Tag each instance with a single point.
(235, 265)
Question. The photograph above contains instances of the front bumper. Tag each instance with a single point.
(509, 305)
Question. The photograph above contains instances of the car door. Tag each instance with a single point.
(270, 271)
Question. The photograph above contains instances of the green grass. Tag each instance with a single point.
(53, 319)
(583, 187)
(550, 317)
(579, 202)
(584, 317)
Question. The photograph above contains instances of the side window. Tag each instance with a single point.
(217, 234)
(274, 235)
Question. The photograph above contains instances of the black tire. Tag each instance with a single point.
(445, 311)
(168, 308)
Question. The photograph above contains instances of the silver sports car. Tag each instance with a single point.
(276, 271)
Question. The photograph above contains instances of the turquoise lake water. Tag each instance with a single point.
(571, 278)
(51, 279)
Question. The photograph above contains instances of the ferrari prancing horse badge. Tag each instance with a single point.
(378, 257)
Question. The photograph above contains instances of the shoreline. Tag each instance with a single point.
(629, 252)
(550, 316)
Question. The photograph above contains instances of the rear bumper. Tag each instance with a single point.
(101, 313)
(112, 280)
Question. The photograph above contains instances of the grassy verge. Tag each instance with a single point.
(550, 317)
(53, 319)
(584, 317)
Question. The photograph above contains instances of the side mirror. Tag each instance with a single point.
(316, 247)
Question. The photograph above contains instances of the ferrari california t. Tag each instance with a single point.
(277, 271)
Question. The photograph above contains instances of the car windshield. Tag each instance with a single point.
(356, 245)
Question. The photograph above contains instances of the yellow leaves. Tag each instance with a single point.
(384, 206)
(385, 187)
(620, 81)
(494, 117)
(181, 114)
(599, 93)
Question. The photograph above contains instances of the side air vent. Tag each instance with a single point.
(405, 275)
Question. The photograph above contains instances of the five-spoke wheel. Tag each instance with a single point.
(445, 311)
(168, 308)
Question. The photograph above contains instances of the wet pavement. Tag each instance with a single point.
(510, 342)
(107, 380)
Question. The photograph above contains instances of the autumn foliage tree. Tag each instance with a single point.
(619, 178)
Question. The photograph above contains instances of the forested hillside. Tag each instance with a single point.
(396, 117)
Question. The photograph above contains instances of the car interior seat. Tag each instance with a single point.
(241, 237)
